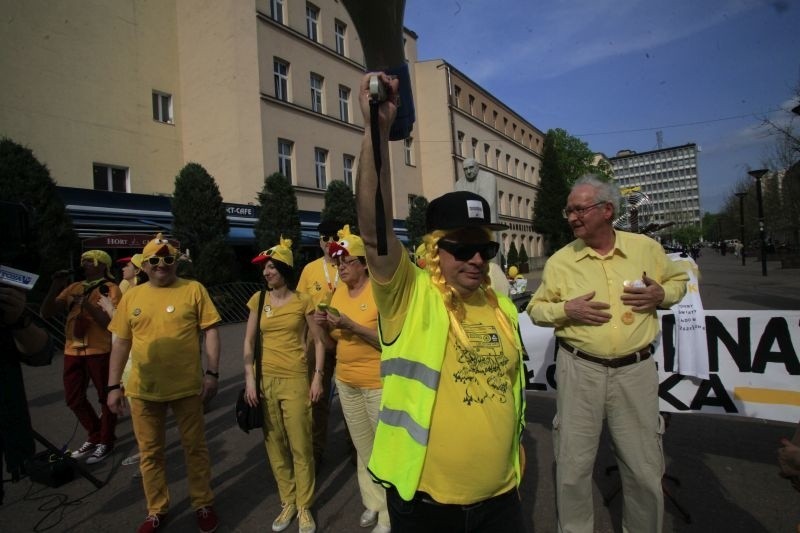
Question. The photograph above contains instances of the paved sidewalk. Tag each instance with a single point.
(726, 465)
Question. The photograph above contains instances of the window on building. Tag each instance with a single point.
(474, 148)
(339, 33)
(321, 167)
(276, 10)
(497, 159)
(348, 164)
(312, 22)
(508, 164)
(316, 92)
(162, 107)
(516, 168)
(110, 178)
(505, 125)
(344, 103)
(457, 95)
(483, 112)
(408, 150)
(471, 105)
(460, 144)
(285, 148)
(494, 119)
(280, 71)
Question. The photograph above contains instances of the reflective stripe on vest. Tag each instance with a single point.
(394, 417)
(411, 370)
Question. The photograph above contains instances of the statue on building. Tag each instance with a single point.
(480, 182)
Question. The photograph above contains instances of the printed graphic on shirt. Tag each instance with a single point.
(317, 286)
(483, 369)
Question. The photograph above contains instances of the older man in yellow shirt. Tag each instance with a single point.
(601, 292)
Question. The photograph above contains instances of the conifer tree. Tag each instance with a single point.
(523, 259)
(513, 256)
(415, 221)
(199, 220)
(53, 241)
(279, 214)
(340, 206)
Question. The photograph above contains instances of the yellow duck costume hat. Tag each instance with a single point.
(155, 246)
(280, 252)
(349, 244)
(97, 256)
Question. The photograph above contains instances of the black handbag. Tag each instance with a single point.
(247, 416)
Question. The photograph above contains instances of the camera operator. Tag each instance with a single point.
(87, 348)
(21, 341)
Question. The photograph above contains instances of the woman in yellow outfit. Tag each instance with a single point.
(352, 326)
(285, 318)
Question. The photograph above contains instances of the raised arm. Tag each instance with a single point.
(381, 267)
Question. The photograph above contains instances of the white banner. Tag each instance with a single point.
(752, 357)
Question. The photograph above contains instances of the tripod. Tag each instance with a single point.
(66, 457)
(608, 498)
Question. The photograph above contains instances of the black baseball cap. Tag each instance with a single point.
(328, 228)
(460, 209)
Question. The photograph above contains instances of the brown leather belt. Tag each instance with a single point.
(616, 362)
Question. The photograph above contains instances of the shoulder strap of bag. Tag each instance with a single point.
(257, 347)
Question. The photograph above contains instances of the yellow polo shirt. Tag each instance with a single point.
(577, 269)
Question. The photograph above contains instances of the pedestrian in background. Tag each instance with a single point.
(350, 325)
(318, 280)
(87, 348)
(159, 323)
(285, 319)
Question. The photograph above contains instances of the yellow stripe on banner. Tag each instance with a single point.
(775, 396)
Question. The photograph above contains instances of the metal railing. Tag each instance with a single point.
(229, 298)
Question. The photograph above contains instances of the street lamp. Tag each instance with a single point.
(741, 196)
(758, 174)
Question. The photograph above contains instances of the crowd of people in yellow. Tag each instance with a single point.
(425, 355)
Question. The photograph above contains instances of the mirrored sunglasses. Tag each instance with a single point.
(463, 251)
(161, 260)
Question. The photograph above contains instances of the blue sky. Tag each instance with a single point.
(613, 72)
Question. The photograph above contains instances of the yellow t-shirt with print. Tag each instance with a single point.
(314, 281)
(474, 408)
(358, 364)
(164, 324)
(283, 331)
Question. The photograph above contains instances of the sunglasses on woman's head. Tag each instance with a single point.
(464, 251)
(161, 260)
(326, 238)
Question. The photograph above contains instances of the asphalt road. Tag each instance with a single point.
(725, 466)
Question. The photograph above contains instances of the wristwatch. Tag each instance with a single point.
(212, 374)
(109, 388)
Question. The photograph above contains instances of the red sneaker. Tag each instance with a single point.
(151, 523)
(207, 520)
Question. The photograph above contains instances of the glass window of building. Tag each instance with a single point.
(344, 103)
(285, 148)
(312, 22)
(321, 167)
(276, 10)
(316, 92)
(348, 164)
(280, 71)
(162, 107)
(408, 150)
(339, 32)
(110, 178)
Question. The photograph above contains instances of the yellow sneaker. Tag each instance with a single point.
(306, 521)
(288, 511)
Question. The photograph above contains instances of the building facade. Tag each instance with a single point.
(116, 99)
(459, 120)
(668, 176)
